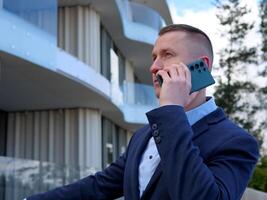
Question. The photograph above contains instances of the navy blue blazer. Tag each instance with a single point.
(211, 160)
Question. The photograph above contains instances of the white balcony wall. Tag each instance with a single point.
(79, 33)
(129, 136)
(116, 92)
(47, 135)
(129, 72)
(129, 94)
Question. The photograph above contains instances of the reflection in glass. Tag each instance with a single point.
(20, 178)
(139, 94)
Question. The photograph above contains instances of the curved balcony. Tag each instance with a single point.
(57, 80)
(138, 19)
(135, 100)
(166, 8)
(42, 14)
(26, 41)
(30, 80)
(132, 34)
(147, 16)
(35, 74)
(140, 27)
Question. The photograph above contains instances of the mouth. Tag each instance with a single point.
(155, 81)
(154, 78)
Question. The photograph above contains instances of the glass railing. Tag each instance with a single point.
(42, 14)
(142, 14)
(145, 15)
(20, 178)
(139, 94)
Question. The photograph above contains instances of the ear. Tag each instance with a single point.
(207, 61)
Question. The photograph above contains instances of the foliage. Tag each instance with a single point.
(242, 99)
(259, 178)
(237, 94)
(263, 71)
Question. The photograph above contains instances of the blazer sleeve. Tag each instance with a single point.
(186, 175)
(107, 184)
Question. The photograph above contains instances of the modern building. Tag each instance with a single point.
(74, 85)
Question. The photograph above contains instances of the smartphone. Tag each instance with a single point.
(200, 76)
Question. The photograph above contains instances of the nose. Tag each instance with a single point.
(156, 66)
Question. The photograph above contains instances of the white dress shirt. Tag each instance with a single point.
(150, 158)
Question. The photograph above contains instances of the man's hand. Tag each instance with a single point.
(176, 85)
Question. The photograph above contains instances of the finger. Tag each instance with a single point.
(173, 72)
(164, 74)
(186, 71)
(181, 71)
(187, 74)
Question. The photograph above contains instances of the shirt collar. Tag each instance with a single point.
(201, 111)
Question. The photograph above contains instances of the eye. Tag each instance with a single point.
(154, 57)
(167, 54)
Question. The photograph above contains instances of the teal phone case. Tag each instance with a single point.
(200, 76)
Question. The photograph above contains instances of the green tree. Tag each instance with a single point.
(236, 94)
(263, 70)
(263, 31)
(259, 178)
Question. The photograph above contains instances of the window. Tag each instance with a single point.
(121, 69)
(3, 132)
(106, 45)
(114, 141)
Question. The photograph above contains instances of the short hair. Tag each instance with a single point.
(188, 29)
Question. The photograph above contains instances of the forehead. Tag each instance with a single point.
(170, 40)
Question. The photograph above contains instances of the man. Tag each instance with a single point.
(189, 150)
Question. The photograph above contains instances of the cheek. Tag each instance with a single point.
(157, 90)
(171, 61)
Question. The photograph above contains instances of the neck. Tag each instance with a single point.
(196, 100)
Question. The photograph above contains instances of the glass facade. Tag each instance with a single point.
(3, 132)
(139, 94)
(114, 141)
(122, 75)
(40, 13)
(106, 45)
